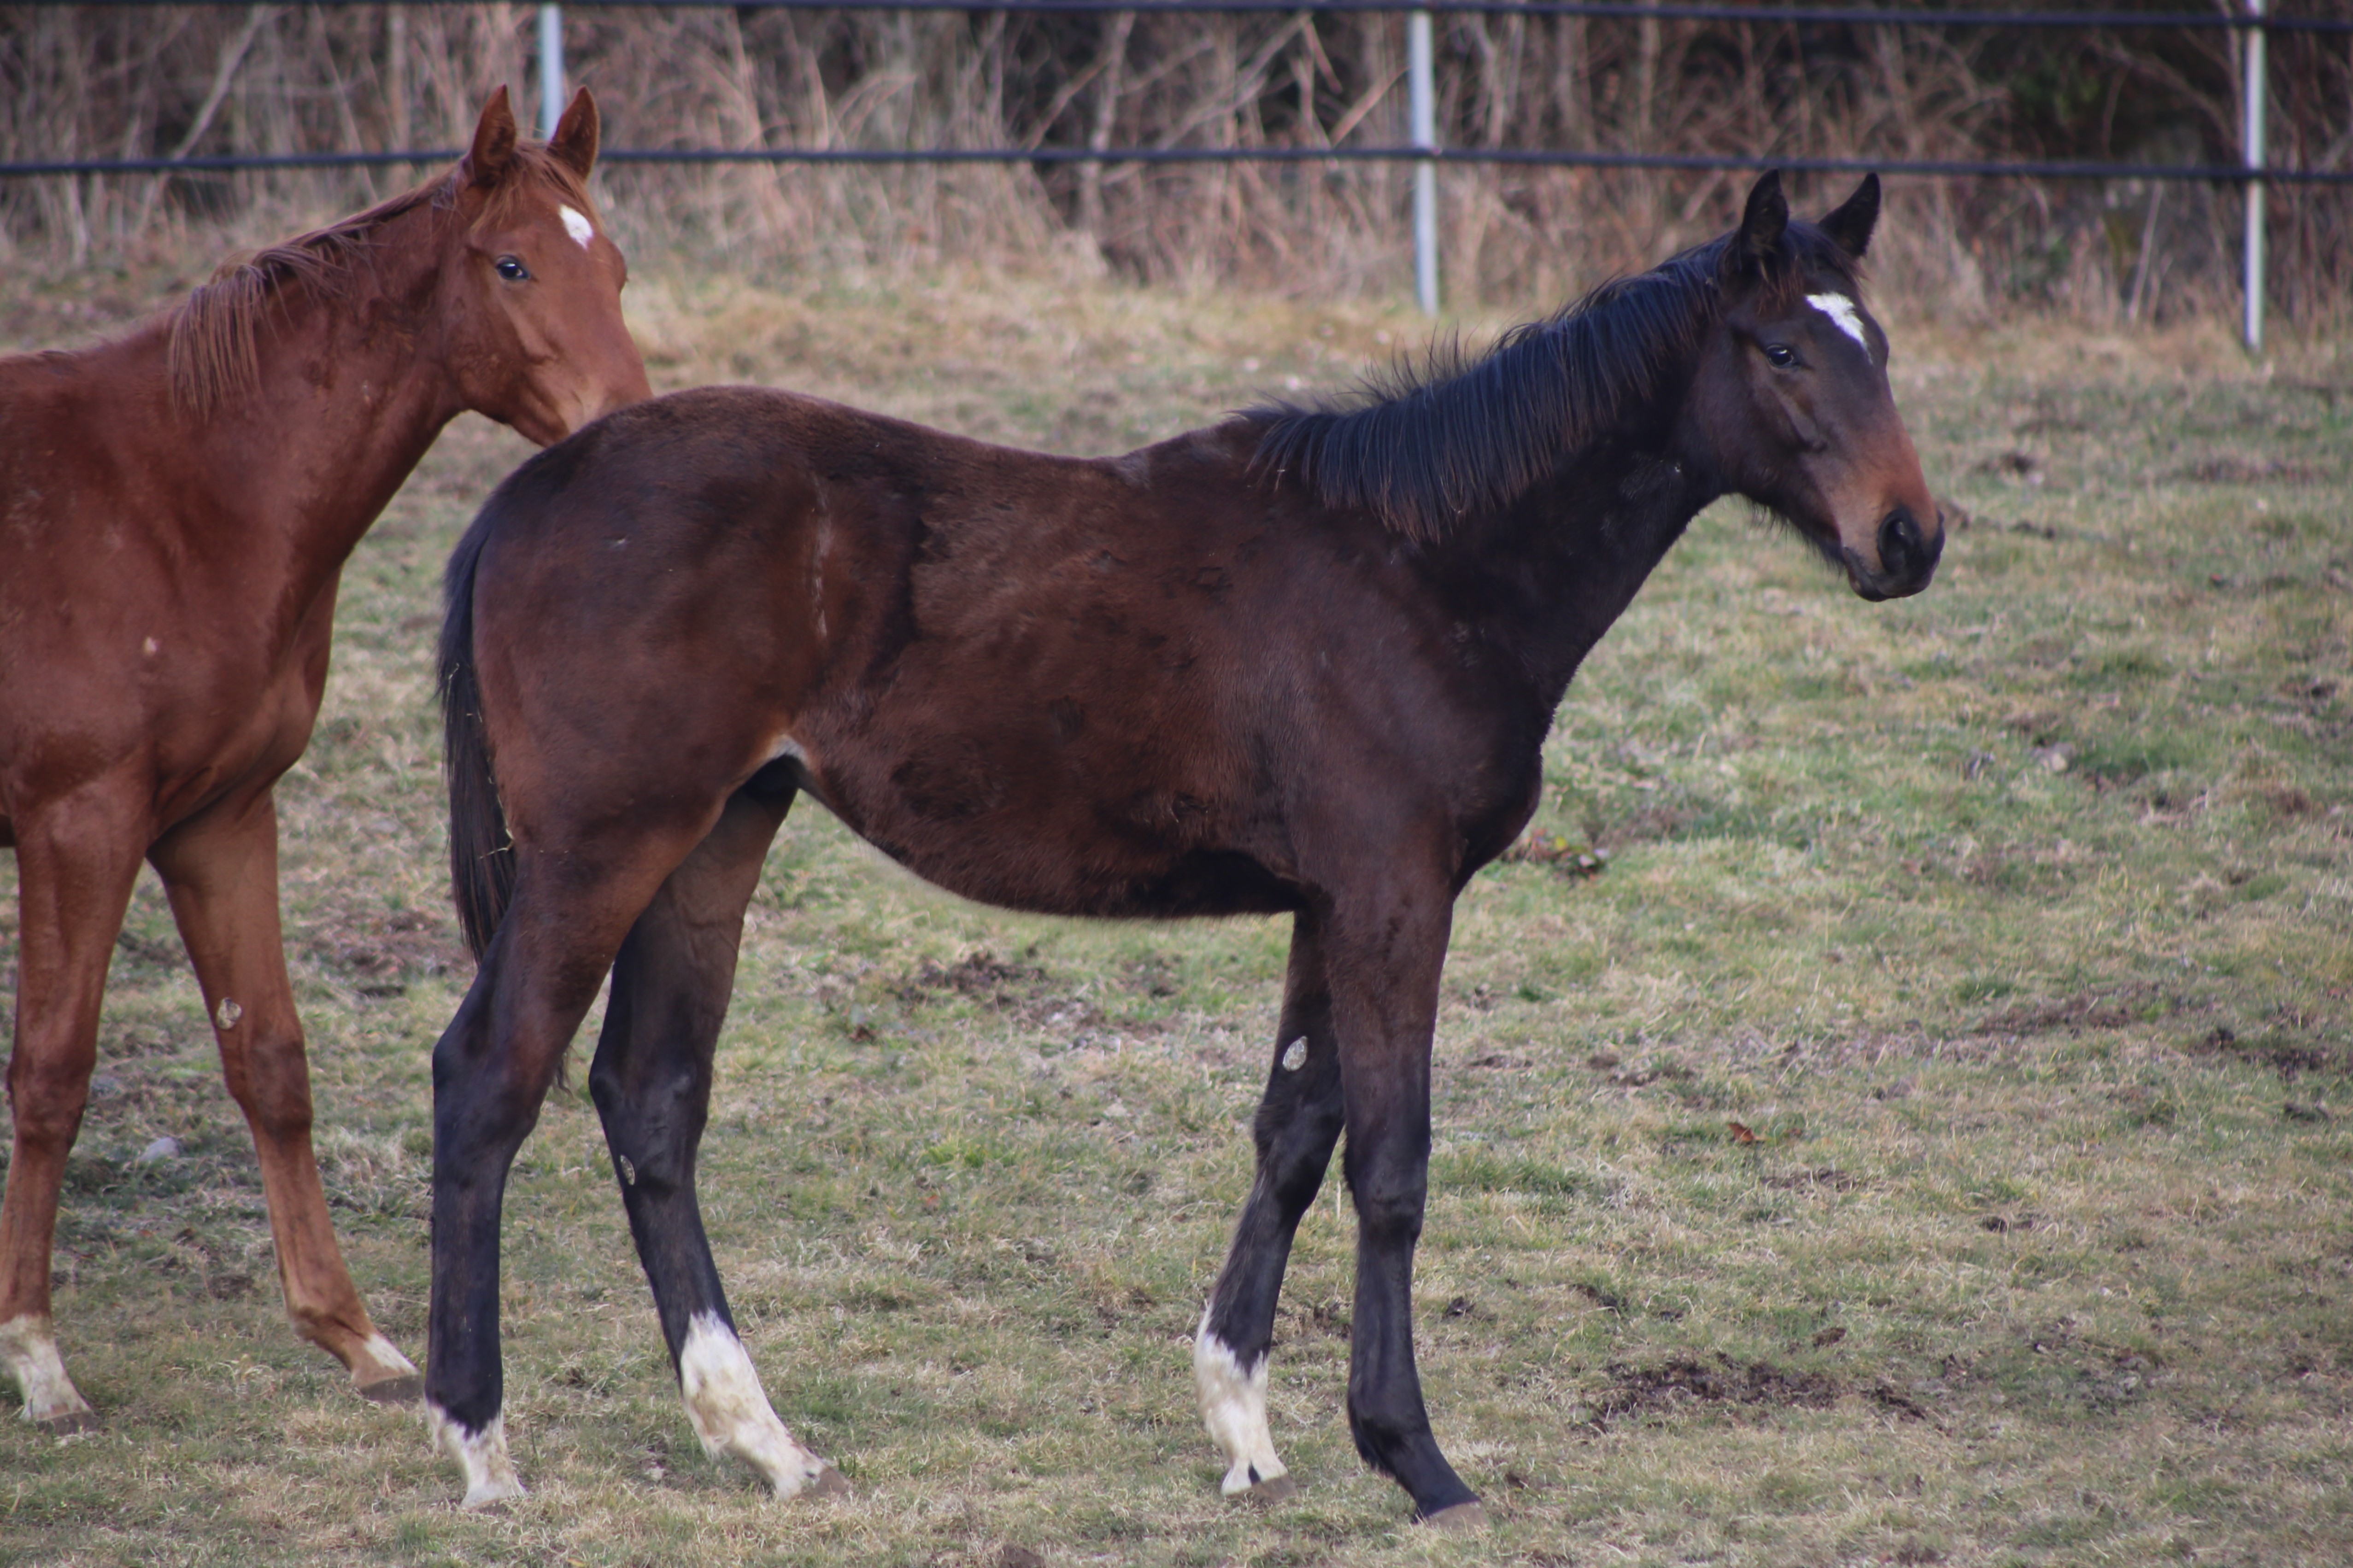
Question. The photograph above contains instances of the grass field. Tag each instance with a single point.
(2014, 923)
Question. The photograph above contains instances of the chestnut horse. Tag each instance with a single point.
(1303, 661)
(176, 507)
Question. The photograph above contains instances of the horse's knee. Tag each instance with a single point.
(48, 1092)
(1390, 1203)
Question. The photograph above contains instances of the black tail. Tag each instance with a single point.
(482, 856)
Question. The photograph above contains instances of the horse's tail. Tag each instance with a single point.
(482, 856)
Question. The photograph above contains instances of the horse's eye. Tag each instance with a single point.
(1780, 356)
(514, 270)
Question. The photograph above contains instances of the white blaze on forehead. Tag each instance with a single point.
(490, 1473)
(577, 226)
(1233, 1406)
(730, 1412)
(30, 1351)
(1841, 311)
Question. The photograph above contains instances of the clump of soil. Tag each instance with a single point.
(1639, 1391)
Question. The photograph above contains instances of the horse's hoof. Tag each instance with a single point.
(70, 1423)
(491, 1497)
(826, 1482)
(1463, 1519)
(405, 1388)
(1275, 1488)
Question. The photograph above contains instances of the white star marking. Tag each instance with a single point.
(1841, 311)
(578, 227)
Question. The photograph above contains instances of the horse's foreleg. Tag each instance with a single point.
(1298, 1123)
(651, 1082)
(76, 860)
(1384, 958)
(220, 871)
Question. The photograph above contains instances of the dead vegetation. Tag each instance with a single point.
(103, 82)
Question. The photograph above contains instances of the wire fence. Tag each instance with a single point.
(2254, 22)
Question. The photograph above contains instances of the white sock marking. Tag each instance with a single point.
(577, 226)
(489, 1474)
(387, 1355)
(30, 1349)
(730, 1412)
(1841, 311)
(1233, 1405)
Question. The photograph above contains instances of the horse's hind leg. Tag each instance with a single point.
(76, 860)
(1298, 1123)
(491, 1069)
(220, 869)
(651, 1082)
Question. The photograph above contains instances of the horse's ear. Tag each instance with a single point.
(574, 141)
(1763, 224)
(494, 141)
(1851, 221)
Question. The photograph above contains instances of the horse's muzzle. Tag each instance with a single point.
(1907, 559)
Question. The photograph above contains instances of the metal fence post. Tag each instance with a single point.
(551, 70)
(1422, 97)
(2252, 146)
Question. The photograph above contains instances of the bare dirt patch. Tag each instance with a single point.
(1636, 1392)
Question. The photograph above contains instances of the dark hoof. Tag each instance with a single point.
(72, 1424)
(1463, 1519)
(406, 1389)
(829, 1483)
(1276, 1490)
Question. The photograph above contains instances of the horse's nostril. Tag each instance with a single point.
(1899, 542)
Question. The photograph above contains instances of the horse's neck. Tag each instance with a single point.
(1578, 546)
(349, 397)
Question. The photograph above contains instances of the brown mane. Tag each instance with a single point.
(213, 355)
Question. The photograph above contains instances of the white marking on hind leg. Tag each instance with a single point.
(730, 1412)
(489, 1474)
(387, 1355)
(1233, 1404)
(30, 1349)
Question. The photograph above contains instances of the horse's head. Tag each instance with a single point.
(1791, 399)
(532, 291)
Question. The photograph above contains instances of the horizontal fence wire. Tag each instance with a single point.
(2221, 174)
(1602, 10)
(1606, 10)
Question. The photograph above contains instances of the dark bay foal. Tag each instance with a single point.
(175, 510)
(1303, 661)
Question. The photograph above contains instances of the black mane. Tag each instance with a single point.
(1421, 446)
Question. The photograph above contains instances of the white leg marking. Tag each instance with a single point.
(387, 1355)
(489, 1474)
(730, 1412)
(1233, 1404)
(31, 1352)
(1841, 311)
(577, 226)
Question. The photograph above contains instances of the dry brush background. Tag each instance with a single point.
(95, 81)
